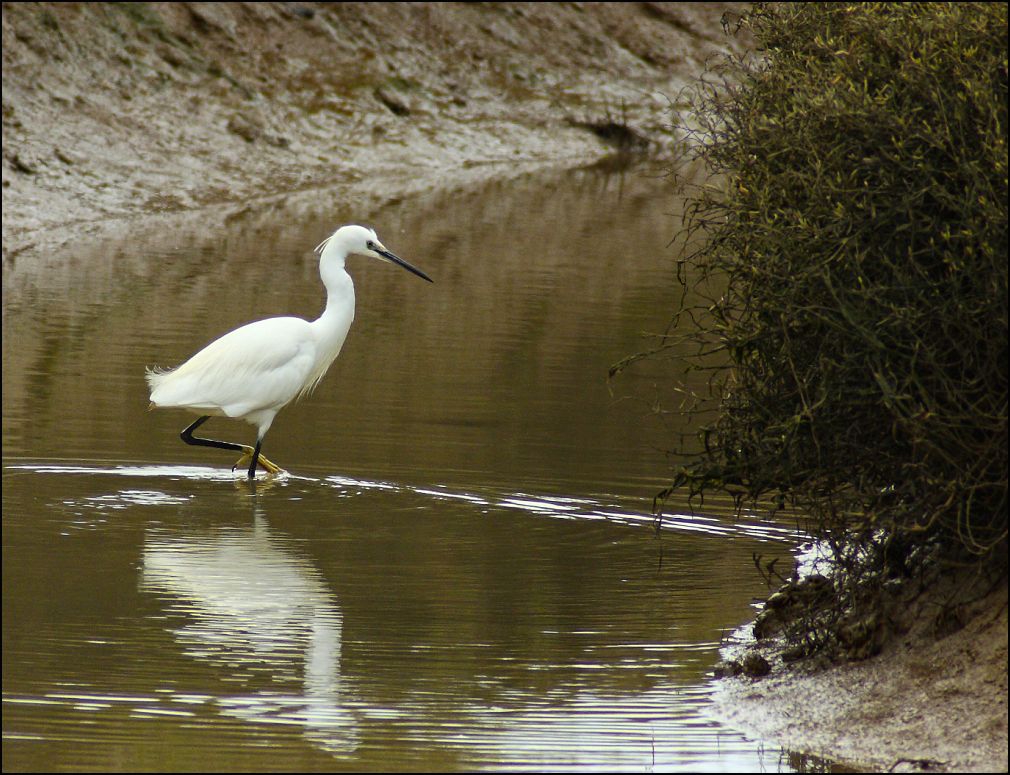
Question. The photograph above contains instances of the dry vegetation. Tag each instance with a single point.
(857, 345)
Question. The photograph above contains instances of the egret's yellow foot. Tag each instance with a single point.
(261, 462)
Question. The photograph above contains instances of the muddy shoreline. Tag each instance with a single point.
(933, 700)
(115, 115)
(117, 110)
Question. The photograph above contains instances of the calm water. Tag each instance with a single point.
(460, 571)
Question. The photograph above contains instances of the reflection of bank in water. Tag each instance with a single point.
(264, 614)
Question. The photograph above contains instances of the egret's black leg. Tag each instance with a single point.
(248, 453)
(255, 458)
(189, 438)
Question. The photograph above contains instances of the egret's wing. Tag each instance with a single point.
(261, 365)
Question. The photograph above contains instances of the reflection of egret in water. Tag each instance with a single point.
(265, 614)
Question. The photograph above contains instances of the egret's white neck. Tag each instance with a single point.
(336, 318)
(334, 275)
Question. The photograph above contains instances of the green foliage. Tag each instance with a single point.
(860, 234)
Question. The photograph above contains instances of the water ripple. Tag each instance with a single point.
(737, 523)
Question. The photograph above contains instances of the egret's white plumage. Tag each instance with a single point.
(251, 373)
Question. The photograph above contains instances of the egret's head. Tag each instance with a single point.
(362, 241)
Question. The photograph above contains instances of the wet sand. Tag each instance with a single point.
(924, 704)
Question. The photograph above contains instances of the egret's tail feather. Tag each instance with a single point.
(155, 375)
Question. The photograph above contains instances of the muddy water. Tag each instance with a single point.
(460, 571)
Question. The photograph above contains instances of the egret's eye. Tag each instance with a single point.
(370, 245)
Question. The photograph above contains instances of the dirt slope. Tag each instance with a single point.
(123, 108)
(932, 701)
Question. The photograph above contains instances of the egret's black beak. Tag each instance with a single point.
(395, 259)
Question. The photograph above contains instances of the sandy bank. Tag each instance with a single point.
(114, 110)
(931, 701)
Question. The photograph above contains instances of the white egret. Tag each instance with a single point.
(256, 370)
